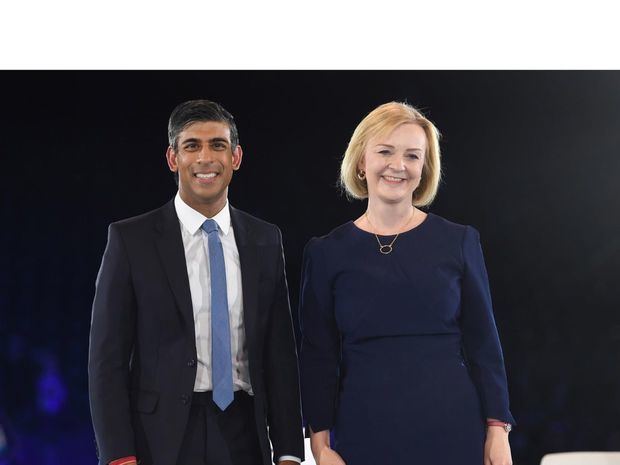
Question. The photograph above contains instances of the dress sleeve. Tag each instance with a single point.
(480, 339)
(320, 343)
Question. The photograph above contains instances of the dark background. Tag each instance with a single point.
(531, 159)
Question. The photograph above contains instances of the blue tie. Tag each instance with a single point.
(221, 360)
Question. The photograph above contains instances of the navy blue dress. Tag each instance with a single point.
(400, 354)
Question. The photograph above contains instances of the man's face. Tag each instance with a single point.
(204, 161)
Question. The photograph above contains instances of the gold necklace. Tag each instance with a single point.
(387, 248)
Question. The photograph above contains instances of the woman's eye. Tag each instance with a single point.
(414, 156)
(384, 152)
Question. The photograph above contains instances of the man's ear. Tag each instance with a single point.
(171, 158)
(237, 155)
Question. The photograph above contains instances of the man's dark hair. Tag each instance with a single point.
(194, 111)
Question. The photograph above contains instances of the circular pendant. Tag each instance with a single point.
(385, 249)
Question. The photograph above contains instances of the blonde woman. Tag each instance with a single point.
(400, 358)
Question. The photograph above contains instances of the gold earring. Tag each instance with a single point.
(361, 175)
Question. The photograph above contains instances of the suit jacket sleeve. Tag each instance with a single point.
(480, 339)
(111, 342)
(320, 347)
(281, 372)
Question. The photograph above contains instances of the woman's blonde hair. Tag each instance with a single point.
(382, 121)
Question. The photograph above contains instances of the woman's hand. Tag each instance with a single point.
(323, 454)
(327, 456)
(496, 447)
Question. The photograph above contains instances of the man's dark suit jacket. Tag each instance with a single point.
(142, 360)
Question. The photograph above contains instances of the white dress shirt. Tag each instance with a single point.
(196, 245)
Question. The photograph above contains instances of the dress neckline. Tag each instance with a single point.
(415, 228)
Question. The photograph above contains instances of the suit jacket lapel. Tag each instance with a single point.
(248, 258)
(172, 253)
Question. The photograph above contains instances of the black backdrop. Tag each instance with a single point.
(530, 158)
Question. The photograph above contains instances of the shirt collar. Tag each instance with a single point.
(192, 219)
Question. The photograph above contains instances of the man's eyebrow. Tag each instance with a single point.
(210, 141)
(219, 139)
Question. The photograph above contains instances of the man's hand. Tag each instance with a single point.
(497, 447)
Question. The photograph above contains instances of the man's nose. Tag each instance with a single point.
(204, 155)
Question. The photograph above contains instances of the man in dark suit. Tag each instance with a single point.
(192, 354)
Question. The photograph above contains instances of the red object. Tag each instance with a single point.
(124, 461)
(507, 426)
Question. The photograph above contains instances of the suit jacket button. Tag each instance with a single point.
(191, 363)
(185, 399)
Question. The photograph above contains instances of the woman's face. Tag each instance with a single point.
(393, 164)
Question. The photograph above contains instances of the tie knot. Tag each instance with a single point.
(209, 226)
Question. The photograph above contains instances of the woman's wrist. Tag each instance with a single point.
(496, 431)
(319, 441)
(493, 424)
